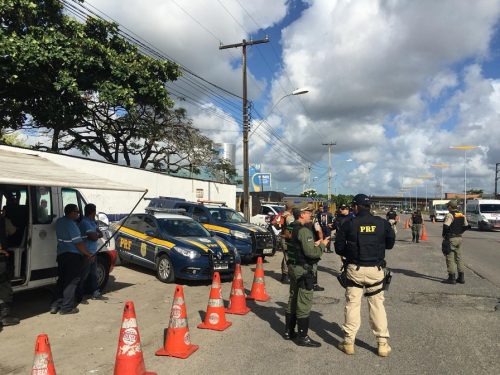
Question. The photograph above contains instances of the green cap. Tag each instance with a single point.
(453, 203)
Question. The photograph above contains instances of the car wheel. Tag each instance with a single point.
(164, 269)
(102, 272)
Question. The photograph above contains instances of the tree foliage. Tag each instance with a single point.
(90, 89)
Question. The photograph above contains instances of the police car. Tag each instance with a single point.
(175, 246)
(251, 240)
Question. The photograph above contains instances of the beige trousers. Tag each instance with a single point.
(376, 309)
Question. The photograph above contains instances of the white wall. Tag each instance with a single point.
(115, 202)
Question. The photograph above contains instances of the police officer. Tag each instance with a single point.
(363, 241)
(416, 221)
(325, 221)
(393, 218)
(5, 286)
(455, 224)
(342, 216)
(286, 236)
(303, 252)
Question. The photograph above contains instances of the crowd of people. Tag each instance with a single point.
(77, 241)
(361, 240)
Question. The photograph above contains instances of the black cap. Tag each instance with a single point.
(361, 200)
(343, 205)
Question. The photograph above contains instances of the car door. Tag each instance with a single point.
(149, 227)
(128, 241)
(45, 210)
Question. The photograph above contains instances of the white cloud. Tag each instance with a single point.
(388, 82)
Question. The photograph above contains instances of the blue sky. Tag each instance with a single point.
(393, 83)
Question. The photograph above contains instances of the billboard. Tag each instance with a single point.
(261, 181)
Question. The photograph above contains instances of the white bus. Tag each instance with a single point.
(484, 214)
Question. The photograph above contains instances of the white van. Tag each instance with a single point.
(484, 214)
(33, 193)
(438, 209)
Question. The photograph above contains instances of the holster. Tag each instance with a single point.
(387, 279)
(446, 246)
(306, 281)
(342, 278)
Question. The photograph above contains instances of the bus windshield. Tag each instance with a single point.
(490, 208)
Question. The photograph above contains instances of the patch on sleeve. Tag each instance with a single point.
(309, 239)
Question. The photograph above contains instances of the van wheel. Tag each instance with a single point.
(102, 272)
(164, 269)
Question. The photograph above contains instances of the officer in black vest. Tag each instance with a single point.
(363, 240)
(455, 224)
(416, 221)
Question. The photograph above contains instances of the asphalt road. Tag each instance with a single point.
(435, 328)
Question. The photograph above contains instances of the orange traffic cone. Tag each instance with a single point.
(424, 237)
(177, 342)
(258, 291)
(129, 359)
(43, 363)
(237, 301)
(216, 317)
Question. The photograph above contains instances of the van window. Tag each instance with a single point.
(73, 196)
(42, 205)
(490, 208)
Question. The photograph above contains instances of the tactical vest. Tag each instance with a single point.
(366, 241)
(295, 251)
(392, 215)
(416, 219)
(458, 223)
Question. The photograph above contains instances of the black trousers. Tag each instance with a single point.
(5, 287)
(69, 268)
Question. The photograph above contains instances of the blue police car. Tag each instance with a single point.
(175, 246)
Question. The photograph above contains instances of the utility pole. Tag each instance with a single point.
(246, 125)
(330, 145)
(304, 180)
(497, 177)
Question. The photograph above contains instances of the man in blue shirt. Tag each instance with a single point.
(90, 233)
(71, 251)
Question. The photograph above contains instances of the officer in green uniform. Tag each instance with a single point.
(455, 224)
(303, 253)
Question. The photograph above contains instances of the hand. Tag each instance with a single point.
(4, 252)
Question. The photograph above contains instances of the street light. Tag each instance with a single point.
(441, 166)
(425, 178)
(246, 178)
(294, 92)
(465, 148)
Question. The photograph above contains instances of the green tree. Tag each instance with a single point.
(309, 193)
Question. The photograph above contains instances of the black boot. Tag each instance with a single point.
(290, 322)
(461, 278)
(303, 339)
(5, 317)
(450, 279)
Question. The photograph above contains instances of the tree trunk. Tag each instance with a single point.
(55, 140)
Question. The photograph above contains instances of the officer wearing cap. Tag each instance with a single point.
(455, 224)
(303, 253)
(363, 240)
(416, 221)
(343, 216)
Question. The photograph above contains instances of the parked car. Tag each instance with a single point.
(175, 246)
(266, 209)
(251, 240)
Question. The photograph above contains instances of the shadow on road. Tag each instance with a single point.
(412, 273)
(330, 332)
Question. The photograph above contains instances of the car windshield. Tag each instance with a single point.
(278, 209)
(490, 208)
(227, 215)
(182, 228)
(441, 207)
